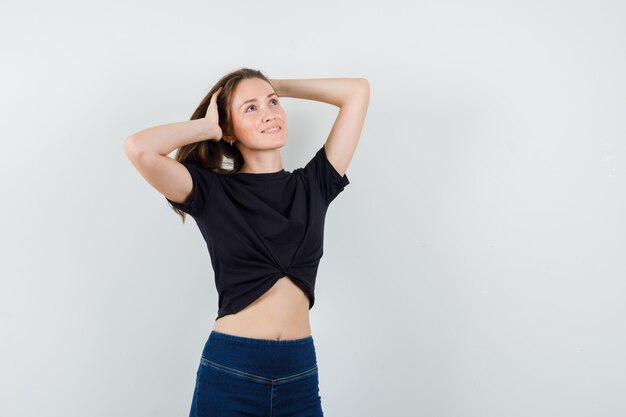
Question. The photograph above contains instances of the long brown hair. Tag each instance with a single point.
(210, 154)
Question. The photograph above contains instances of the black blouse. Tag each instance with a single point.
(262, 227)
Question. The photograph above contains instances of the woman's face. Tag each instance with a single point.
(251, 118)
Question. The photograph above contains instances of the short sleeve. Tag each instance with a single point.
(325, 176)
(201, 179)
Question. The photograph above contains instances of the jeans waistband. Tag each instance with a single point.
(264, 342)
(263, 357)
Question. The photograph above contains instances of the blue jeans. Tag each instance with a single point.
(241, 376)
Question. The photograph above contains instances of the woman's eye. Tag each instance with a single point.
(252, 105)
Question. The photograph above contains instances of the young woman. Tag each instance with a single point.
(261, 224)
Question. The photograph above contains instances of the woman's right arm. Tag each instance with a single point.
(148, 151)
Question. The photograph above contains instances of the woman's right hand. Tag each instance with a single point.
(212, 117)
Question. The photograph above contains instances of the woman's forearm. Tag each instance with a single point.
(333, 91)
(163, 139)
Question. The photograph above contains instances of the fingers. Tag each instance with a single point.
(217, 92)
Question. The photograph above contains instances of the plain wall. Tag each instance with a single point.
(473, 267)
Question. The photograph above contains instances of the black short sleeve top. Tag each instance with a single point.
(260, 227)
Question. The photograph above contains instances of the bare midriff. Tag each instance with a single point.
(282, 313)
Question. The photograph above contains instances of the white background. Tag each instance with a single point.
(474, 266)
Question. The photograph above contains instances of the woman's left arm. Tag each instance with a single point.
(335, 91)
(351, 95)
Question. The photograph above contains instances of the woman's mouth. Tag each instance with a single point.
(272, 131)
